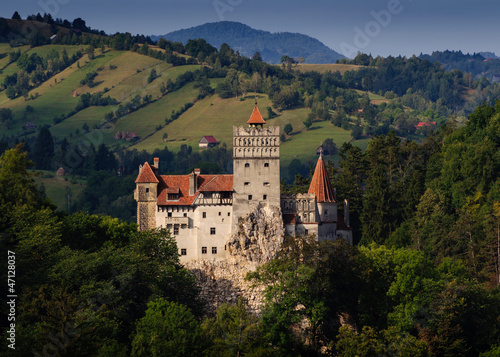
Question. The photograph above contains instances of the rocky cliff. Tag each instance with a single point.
(259, 237)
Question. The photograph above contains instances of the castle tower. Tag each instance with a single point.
(256, 166)
(322, 189)
(146, 195)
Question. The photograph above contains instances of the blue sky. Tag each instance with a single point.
(379, 27)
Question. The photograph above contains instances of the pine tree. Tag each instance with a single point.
(43, 152)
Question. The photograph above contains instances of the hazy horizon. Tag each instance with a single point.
(379, 27)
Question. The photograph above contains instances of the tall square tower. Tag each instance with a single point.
(256, 167)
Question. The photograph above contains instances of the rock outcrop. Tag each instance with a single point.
(258, 240)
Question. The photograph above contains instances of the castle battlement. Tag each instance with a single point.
(256, 131)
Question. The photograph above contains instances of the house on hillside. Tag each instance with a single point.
(207, 141)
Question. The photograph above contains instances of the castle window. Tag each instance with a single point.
(266, 164)
(326, 212)
(176, 229)
(214, 250)
(220, 213)
(264, 197)
(228, 214)
(212, 230)
(169, 226)
(185, 215)
(266, 184)
(247, 164)
(203, 250)
(147, 190)
(306, 232)
(169, 214)
(247, 183)
(249, 197)
(183, 251)
(204, 214)
(183, 226)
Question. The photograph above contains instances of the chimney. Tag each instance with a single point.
(193, 181)
(156, 164)
(346, 213)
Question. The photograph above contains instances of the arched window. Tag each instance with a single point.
(247, 164)
(266, 164)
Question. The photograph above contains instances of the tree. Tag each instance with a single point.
(257, 57)
(329, 147)
(43, 152)
(288, 129)
(16, 16)
(307, 123)
(168, 329)
(152, 75)
(79, 24)
(234, 332)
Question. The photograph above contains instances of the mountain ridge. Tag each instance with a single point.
(247, 40)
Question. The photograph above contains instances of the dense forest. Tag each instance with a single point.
(423, 281)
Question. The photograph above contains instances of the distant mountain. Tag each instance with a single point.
(246, 40)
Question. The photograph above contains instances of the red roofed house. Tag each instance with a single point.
(204, 211)
(207, 141)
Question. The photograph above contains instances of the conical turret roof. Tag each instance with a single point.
(146, 175)
(320, 183)
(256, 118)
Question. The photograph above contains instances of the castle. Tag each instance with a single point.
(203, 211)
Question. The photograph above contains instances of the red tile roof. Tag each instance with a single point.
(423, 123)
(256, 118)
(146, 175)
(218, 183)
(209, 139)
(320, 183)
(180, 184)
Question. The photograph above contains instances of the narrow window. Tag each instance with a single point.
(220, 213)
(266, 164)
(214, 250)
(203, 250)
(306, 232)
(147, 189)
(247, 165)
(212, 230)
(183, 251)
(228, 214)
(249, 197)
(326, 212)
(264, 197)
(204, 214)
(185, 215)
